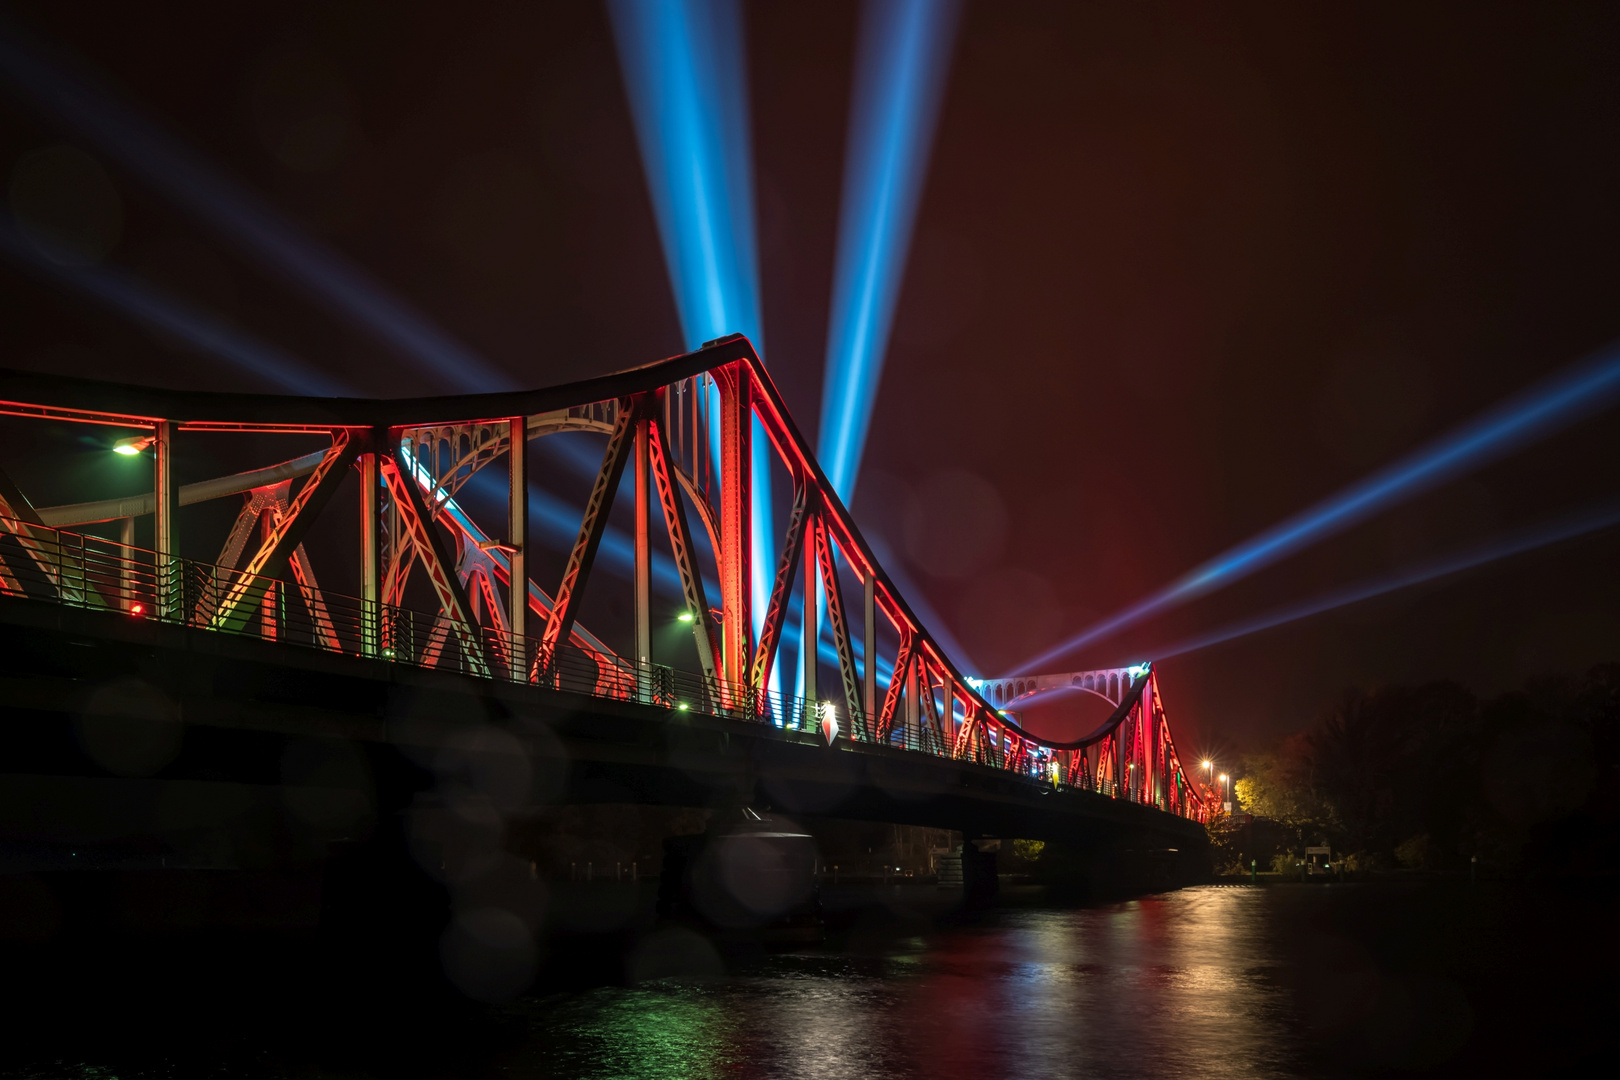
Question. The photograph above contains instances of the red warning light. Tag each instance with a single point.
(136, 609)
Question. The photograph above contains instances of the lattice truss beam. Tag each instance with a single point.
(684, 429)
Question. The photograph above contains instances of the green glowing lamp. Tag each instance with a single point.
(132, 446)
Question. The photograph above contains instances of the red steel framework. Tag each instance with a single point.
(413, 455)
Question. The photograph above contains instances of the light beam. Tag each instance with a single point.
(683, 67)
(130, 296)
(901, 61)
(1550, 406)
(1591, 520)
(321, 273)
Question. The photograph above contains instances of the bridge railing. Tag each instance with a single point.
(79, 570)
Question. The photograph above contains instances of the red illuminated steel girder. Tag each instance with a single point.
(959, 720)
(1131, 752)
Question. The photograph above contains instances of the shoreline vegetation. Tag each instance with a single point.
(1431, 780)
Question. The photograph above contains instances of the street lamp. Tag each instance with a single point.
(685, 616)
(133, 445)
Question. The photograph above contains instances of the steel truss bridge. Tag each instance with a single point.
(682, 428)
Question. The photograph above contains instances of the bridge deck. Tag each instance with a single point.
(242, 700)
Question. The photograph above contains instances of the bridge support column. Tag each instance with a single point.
(913, 702)
(165, 521)
(270, 606)
(643, 560)
(979, 882)
(126, 575)
(736, 522)
(1118, 765)
(517, 535)
(812, 633)
(1150, 756)
(370, 556)
(869, 610)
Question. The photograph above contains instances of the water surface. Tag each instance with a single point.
(1396, 978)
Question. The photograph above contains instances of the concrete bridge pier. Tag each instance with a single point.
(980, 885)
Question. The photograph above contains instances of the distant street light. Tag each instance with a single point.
(685, 616)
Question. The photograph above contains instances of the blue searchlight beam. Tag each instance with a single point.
(683, 67)
(325, 276)
(1598, 517)
(900, 67)
(901, 60)
(330, 279)
(1578, 392)
(207, 333)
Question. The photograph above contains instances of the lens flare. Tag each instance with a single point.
(1574, 394)
(1600, 517)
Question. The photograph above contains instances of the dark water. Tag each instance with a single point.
(1172, 985)
(1416, 978)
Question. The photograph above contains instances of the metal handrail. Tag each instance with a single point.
(79, 570)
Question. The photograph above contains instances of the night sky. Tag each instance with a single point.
(1179, 272)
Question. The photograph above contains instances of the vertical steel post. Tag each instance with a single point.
(869, 604)
(808, 639)
(517, 535)
(643, 564)
(736, 524)
(269, 606)
(126, 565)
(913, 699)
(370, 557)
(1117, 767)
(1150, 759)
(165, 521)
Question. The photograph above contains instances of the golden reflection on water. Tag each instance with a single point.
(1170, 985)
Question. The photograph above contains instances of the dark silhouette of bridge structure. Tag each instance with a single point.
(127, 661)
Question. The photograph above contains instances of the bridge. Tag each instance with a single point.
(448, 629)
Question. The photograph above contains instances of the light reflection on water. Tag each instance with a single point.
(1169, 985)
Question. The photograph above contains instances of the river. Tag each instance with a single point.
(1429, 977)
